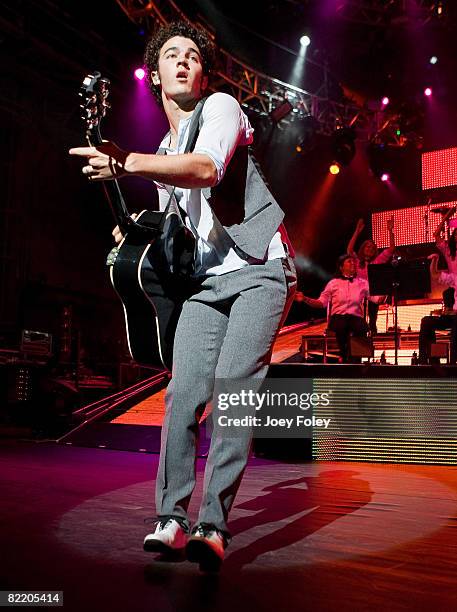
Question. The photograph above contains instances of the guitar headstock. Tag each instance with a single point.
(94, 104)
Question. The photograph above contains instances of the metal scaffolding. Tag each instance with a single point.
(259, 92)
(385, 13)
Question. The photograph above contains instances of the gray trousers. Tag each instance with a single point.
(226, 330)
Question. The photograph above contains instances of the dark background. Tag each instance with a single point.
(56, 229)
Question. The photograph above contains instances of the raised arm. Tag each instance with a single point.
(224, 127)
(390, 229)
(108, 161)
(434, 272)
(358, 230)
(439, 229)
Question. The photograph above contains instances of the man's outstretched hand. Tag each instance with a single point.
(104, 162)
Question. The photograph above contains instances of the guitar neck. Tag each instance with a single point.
(112, 191)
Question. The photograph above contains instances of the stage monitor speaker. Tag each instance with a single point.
(361, 347)
(36, 343)
(439, 349)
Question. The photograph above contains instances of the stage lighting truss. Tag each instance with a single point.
(388, 13)
(258, 92)
(400, 129)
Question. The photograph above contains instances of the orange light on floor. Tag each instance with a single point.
(334, 169)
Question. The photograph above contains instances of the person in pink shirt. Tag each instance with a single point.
(448, 320)
(344, 297)
(368, 253)
(447, 247)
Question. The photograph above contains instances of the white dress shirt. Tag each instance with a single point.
(224, 127)
(346, 297)
(449, 279)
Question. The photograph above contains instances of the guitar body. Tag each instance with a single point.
(151, 298)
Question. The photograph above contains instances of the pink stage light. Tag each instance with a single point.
(385, 177)
(428, 91)
(140, 74)
(385, 101)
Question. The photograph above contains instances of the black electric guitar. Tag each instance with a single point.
(150, 269)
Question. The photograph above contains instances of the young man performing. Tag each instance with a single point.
(245, 283)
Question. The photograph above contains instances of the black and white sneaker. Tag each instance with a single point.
(206, 546)
(169, 536)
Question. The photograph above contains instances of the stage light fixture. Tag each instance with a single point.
(385, 101)
(140, 74)
(281, 111)
(307, 127)
(305, 41)
(428, 91)
(379, 160)
(433, 59)
(343, 145)
(334, 169)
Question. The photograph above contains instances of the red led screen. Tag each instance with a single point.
(414, 225)
(439, 168)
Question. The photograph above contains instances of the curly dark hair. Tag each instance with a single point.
(160, 37)
(340, 263)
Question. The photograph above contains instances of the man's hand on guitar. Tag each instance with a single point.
(104, 162)
(117, 234)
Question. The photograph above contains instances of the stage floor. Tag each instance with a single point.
(307, 536)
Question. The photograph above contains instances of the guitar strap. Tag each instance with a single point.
(194, 130)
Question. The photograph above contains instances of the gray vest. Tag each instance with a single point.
(243, 203)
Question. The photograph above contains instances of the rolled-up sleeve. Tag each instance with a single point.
(446, 278)
(326, 296)
(224, 127)
(384, 257)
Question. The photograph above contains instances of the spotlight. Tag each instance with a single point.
(281, 111)
(305, 41)
(428, 91)
(140, 74)
(379, 160)
(343, 145)
(385, 101)
(334, 169)
(433, 59)
(307, 127)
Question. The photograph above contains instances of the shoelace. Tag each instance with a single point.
(205, 529)
(163, 522)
